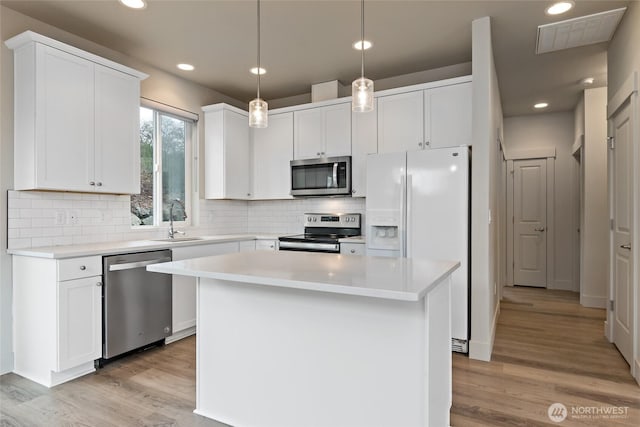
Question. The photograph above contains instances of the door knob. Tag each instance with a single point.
(539, 229)
(627, 247)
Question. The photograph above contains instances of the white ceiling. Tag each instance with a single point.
(309, 41)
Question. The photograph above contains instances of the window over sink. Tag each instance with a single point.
(165, 167)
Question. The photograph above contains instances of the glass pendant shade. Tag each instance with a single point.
(362, 95)
(258, 113)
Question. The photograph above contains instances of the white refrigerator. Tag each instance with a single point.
(417, 205)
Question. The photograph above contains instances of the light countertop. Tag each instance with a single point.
(110, 248)
(389, 278)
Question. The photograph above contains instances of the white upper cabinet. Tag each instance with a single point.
(272, 149)
(447, 116)
(76, 119)
(322, 131)
(117, 123)
(227, 155)
(400, 122)
(364, 141)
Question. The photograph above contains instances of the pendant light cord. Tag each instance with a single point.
(362, 38)
(259, 69)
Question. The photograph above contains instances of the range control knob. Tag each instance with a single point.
(308, 219)
(315, 219)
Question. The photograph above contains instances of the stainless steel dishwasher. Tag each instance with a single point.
(136, 304)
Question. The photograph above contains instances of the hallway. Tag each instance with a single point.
(548, 349)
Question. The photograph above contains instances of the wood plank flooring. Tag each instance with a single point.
(548, 349)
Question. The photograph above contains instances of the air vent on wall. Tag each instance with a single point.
(581, 31)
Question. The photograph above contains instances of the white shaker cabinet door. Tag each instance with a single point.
(447, 111)
(117, 131)
(64, 120)
(272, 149)
(309, 133)
(79, 321)
(337, 130)
(364, 141)
(400, 122)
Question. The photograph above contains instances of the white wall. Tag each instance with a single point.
(486, 125)
(591, 123)
(623, 58)
(554, 130)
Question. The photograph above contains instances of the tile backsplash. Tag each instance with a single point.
(41, 218)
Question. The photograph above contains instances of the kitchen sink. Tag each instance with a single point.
(178, 239)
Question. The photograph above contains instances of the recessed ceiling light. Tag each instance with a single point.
(560, 7)
(134, 4)
(254, 70)
(186, 67)
(588, 81)
(541, 105)
(358, 45)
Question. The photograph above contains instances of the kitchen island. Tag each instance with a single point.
(308, 339)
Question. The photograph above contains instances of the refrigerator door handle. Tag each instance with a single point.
(402, 226)
(409, 190)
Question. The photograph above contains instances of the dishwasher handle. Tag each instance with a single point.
(132, 265)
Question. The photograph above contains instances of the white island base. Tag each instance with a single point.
(276, 350)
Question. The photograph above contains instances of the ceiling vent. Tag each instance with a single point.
(582, 31)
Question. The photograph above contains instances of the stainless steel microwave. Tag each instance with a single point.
(324, 176)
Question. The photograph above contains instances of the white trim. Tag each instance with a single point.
(551, 225)
(32, 37)
(637, 370)
(181, 334)
(593, 301)
(480, 350)
(509, 202)
(628, 88)
(226, 107)
(174, 111)
(530, 153)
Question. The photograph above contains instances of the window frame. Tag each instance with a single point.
(190, 147)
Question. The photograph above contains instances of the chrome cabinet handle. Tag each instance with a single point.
(627, 247)
(426, 144)
(420, 144)
(99, 284)
(539, 229)
(92, 183)
(83, 267)
(353, 251)
(98, 184)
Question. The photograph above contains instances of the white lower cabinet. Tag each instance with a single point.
(184, 288)
(57, 317)
(352, 249)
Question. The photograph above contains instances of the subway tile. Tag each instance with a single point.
(19, 243)
(19, 222)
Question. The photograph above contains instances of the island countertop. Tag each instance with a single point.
(400, 279)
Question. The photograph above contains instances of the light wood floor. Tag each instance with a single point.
(548, 349)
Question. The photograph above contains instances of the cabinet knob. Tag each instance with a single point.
(420, 144)
(353, 251)
(99, 284)
(426, 144)
(271, 246)
(318, 153)
(353, 191)
(83, 267)
(99, 184)
(92, 183)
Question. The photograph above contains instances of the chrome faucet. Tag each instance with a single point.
(172, 232)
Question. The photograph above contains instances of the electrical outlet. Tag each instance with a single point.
(74, 217)
(60, 218)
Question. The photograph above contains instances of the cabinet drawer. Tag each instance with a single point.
(76, 268)
(352, 248)
(266, 245)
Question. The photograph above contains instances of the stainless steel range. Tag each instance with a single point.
(322, 232)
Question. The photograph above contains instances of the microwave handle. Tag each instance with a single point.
(335, 174)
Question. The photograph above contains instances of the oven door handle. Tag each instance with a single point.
(329, 247)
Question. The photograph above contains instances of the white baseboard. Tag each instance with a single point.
(593, 302)
(563, 285)
(636, 374)
(180, 335)
(481, 350)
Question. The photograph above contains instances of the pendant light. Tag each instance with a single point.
(362, 88)
(258, 108)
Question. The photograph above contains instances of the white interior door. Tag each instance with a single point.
(622, 227)
(529, 223)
